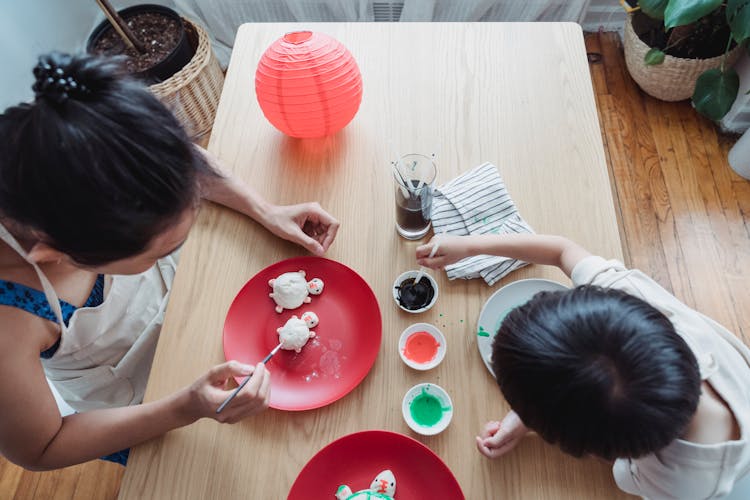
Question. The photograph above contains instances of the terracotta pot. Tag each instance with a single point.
(672, 80)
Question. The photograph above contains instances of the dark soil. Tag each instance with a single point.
(159, 34)
(703, 39)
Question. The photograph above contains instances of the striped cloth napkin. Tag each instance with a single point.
(477, 202)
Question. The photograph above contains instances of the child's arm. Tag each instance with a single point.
(534, 248)
(498, 438)
(35, 436)
(306, 224)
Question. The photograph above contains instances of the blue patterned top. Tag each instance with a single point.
(35, 302)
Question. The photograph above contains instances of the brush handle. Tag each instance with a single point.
(244, 382)
(432, 254)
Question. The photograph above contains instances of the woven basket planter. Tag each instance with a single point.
(672, 80)
(192, 93)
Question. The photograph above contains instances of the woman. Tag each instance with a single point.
(99, 186)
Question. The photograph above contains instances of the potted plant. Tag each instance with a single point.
(676, 49)
(152, 37)
(171, 54)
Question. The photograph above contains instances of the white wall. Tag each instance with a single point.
(738, 117)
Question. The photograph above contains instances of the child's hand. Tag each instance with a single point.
(451, 249)
(208, 392)
(498, 438)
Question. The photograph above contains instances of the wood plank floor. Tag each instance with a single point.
(684, 217)
(684, 214)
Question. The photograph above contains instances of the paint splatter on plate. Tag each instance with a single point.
(500, 304)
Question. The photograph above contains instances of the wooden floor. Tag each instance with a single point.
(684, 214)
(684, 217)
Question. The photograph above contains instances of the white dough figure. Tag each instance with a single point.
(290, 290)
(310, 319)
(295, 333)
(315, 286)
(382, 487)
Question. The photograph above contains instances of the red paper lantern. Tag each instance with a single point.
(308, 84)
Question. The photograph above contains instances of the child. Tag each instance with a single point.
(619, 368)
(99, 186)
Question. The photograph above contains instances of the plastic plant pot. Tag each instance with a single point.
(171, 64)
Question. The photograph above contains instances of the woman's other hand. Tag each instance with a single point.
(306, 224)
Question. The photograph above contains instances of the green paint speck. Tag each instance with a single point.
(461, 320)
(482, 332)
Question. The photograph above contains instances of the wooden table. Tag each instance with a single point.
(517, 95)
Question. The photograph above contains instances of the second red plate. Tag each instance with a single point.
(357, 458)
(331, 364)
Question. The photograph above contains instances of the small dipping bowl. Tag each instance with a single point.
(427, 409)
(422, 346)
(419, 300)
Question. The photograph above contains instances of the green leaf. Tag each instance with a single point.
(738, 17)
(653, 57)
(682, 12)
(715, 92)
(653, 8)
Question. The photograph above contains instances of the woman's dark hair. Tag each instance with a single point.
(96, 166)
(596, 371)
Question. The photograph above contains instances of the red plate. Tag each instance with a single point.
(331, 364)
(356, 459)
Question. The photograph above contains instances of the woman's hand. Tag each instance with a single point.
(451, 249)
(306, 224)
(208, 392)
(498, 438)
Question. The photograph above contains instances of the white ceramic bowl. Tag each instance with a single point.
(436, 334)
(413, 274)
(446, 407)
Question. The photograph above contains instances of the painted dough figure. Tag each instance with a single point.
(383, 487)
(296, 332)
(290, 290)
(315, 286)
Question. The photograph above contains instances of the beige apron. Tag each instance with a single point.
(106, 351)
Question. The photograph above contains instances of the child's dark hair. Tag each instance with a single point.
(596, 371)
(96, 166)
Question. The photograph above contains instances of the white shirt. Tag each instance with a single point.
(683, 469)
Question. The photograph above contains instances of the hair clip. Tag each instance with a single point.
(52, 83)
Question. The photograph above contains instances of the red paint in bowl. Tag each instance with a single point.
(421, 347)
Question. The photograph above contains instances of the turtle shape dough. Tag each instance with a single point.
(383, 487)
(290, 290)
(296, 332)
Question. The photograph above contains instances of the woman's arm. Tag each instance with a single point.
(34, 435)
(534, 248)
(306, 224)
